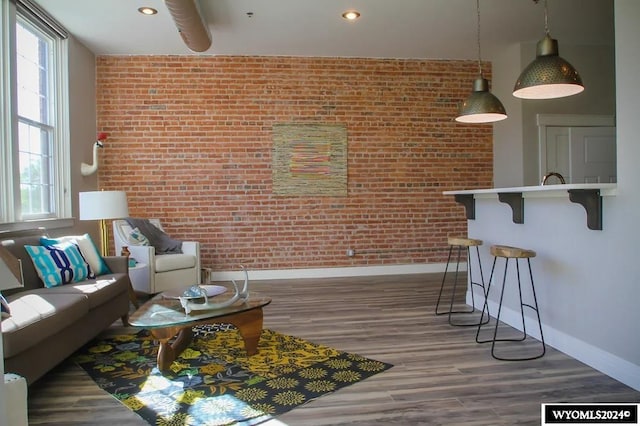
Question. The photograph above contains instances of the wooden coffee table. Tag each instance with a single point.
(165, 319)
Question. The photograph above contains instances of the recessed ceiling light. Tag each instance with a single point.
(351, 15)
(147, 10)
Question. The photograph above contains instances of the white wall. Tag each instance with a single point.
(625, 280)
(83, 132)
(507, 148)
(586, 292)
(82, 112)
(596, 67)
(588, 281)
(627, 106)
(516, 139)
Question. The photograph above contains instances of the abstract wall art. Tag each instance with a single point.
(310, 160)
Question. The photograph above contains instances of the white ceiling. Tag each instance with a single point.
(434, 29)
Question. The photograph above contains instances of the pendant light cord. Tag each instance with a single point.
(479, 56)
(546, 19)
(546, 16)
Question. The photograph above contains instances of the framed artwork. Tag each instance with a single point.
(310, 159)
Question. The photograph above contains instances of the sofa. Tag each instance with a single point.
(48, 324)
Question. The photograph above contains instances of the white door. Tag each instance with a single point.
(558, 152)
(581, 154)
(593, 155)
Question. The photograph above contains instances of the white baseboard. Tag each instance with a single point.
(603, 361)
(353, 271)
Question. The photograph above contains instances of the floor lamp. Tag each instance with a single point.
(103, 205)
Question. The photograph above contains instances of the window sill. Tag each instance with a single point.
(44, 224)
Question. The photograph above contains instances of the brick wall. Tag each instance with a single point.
(190, 140)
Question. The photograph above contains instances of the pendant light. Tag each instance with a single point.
(548, 76)
(481, 106)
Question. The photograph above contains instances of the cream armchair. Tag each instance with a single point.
(156, 273)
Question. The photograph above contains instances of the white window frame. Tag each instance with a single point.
(10, 215)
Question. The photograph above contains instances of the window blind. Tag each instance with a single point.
(34, 11)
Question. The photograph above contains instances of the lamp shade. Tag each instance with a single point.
(481, 106)
(548, 76)
(96, 205)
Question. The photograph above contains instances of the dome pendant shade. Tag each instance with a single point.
(481, 106)
(548, 76)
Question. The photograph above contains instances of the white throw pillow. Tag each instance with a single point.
(87, 248)
(137, 239)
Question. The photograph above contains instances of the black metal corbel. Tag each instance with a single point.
(515, 200)
(592, 203)
(469, 204)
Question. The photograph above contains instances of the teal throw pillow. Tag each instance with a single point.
(59, 264)
(87, 248)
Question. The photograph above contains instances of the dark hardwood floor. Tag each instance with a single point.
(440, 375)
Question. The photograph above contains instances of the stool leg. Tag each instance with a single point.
(522, 305)
(480, 284)
(524, 324)
(536, 309)
(495, 330)
(485, 306)
(455, 286)
(471, 282)
(451, 310)
(444, 277)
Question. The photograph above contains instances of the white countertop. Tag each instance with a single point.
(606, 189)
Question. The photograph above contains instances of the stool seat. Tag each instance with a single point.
(512, 252)
(465, 242)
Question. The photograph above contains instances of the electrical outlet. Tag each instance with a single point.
(351, 252)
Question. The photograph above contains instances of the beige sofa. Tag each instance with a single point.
(47, 325)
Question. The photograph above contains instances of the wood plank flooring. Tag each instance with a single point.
(440, 375)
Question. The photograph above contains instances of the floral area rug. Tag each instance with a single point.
(214, 382)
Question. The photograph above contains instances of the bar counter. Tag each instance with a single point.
(589, 195)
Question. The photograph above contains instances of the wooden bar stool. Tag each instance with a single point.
(508, 253)
(459, 243)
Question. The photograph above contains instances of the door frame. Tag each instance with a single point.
(565, 120)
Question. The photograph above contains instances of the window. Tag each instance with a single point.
(35, 121)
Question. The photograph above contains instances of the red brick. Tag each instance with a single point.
(190, 140)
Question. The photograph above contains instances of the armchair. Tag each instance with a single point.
(156, 273)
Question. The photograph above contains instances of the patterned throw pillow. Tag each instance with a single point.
(87, 248)
(137, 239)
(59, 264)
